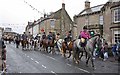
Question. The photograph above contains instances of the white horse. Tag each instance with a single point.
(59, 45)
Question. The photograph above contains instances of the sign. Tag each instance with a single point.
(42, 30)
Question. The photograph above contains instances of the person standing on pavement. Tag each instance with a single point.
(114, 51)
(3, 55)
(105, 51)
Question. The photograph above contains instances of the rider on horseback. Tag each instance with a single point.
(44, 35)
(24, 40)
(84, 36)
(17, 40)
(24, 36)
(49, 37)
(68, 38)
(30, 35)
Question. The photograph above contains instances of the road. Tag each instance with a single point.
(19, 61)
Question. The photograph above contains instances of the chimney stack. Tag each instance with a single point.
(87, 4)
(63, 5)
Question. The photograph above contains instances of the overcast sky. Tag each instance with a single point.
(16, 13)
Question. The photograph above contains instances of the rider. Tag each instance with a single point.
(29, 36)
(44, 35)
(49, 36)
(68, 37)
(84, 36)
(24, 36)
(17, 40)
(57, 37)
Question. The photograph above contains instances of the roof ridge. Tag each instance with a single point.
(96, 6)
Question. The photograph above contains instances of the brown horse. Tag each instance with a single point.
(45, 43)
(65, 49)
(23, 42)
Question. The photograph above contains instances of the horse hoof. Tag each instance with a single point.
(86, 65)
(94, 68)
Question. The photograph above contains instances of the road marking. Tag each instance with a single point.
(69, 64)
(37, 62)
(53, 72)
(31, 58)
(27, 56)
(83, 70)
(43, 66)
(52, 58)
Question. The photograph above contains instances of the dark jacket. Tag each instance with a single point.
(49, 37)
(43, 36)
(114, 48)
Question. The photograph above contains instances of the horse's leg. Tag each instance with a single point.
(85, 52)
(25, 46)
(92, 61)
(69, 54)
(87, 61)
(81, 55)
(47, 49)
(63, 53)
(77, 56)
(74, 55)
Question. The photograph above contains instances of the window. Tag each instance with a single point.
(101, 20)
(52, 23)
(117, 37)
(117, 15)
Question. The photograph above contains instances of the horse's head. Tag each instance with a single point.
(96, 39)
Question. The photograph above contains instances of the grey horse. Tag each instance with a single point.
(89, 48)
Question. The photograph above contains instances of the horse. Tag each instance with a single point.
(89, 48)
(35, 44)
(45, 43)
(59, 45)
(24, 43)
(63, 48)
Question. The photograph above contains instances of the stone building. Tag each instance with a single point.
(102, 19)
(111, 27)
(91, 17)
(56, 22)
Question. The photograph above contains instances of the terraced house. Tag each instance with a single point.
(56, 22)
(103, 19)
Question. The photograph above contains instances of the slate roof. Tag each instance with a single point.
(91, 10)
